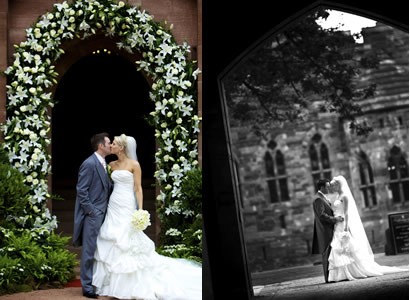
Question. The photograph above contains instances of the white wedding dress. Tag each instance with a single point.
(126, 264)
(351, 256)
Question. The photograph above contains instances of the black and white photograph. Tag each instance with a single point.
(204, 150)
(307, 148)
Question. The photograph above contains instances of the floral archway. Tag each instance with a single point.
(174, 75)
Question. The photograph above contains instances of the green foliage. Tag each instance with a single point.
(184, 235)
(14, 196)
(60, 264)
(4, 159)
(304, 63)
(28, 263)
(29, 258)
(10, 271)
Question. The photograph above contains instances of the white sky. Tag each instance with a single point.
(350, 22)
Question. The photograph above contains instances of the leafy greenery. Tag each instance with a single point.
(184, 235)
(28, 258)
(28, 263)
(304, 63)
(13, 196)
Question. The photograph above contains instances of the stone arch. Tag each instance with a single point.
(75, 94)
(33, 76)
(78, 48)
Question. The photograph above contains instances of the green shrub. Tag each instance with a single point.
(27, 263)
(14, 196)
(184, 238)
(29, 257)
(10, 271)
(60, 264)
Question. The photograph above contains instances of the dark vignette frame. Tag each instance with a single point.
(230, 29)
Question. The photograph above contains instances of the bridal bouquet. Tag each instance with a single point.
(140, 219)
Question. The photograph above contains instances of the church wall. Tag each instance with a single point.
(280, 234)
(18, 15)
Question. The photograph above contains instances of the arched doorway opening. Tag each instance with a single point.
(100, 92)
(222, 194)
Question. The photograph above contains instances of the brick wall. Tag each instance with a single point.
(18, 15)
(280, 234)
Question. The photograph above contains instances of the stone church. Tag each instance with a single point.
(277, 175)
(96, 89)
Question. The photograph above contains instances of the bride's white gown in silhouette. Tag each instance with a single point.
(126, 263)
(351, 258)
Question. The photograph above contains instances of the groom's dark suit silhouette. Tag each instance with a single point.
(324, 223)
(93, 190)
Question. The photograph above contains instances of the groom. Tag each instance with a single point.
(93, 190)
(324, 223)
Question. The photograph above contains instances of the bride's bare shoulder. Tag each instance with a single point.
(113, 163)
(343, 197)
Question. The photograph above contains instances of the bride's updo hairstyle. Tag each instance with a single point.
(129, 145)
(122, 142)
(336, 185)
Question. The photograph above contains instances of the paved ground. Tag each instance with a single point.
(392, 286)
(71, 293)
(304, 282)
(307, 283)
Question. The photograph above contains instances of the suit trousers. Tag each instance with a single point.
(325, 262)
(92, 225)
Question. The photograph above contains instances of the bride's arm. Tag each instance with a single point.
(346, 204)
(137, 184)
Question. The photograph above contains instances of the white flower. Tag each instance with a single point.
(61, 6)
(176, 171)
(165, 49)
(173, 232)
(84, 26)
(186, 110)
(21, 93)
(23, 157)
(168, 144)
(140, 219)
(195, 73)
(39, 195)
(33, 71)
(44, 23)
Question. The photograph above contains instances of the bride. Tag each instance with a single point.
(126, 264)
(351, 256)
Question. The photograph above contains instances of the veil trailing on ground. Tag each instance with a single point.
(355, 224)
(131, 148)
(362, 252)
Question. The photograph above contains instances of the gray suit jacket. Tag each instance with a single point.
(93, 190)
(324, 224)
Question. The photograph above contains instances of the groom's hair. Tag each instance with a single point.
(321, 183)
(97, 139)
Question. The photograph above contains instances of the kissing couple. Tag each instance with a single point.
(117, 259)
(339, 235)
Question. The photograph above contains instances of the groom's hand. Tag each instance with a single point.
(340, 219)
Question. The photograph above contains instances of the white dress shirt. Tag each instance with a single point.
(102, 161)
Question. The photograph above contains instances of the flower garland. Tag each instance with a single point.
(26, 130)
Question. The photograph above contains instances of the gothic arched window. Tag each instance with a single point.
(276, 177)
(319, 159)
(367, 186)
(399, 175)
